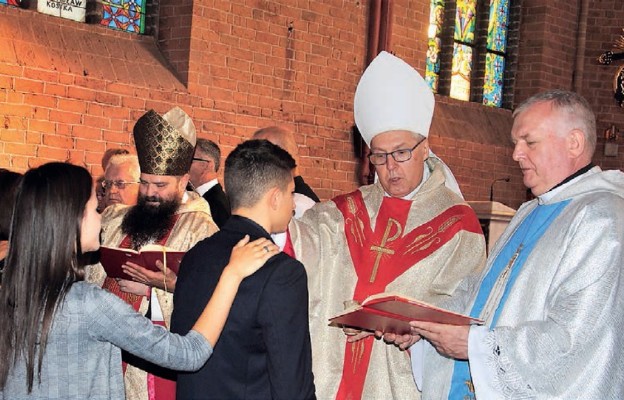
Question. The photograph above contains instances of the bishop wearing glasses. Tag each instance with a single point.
(409, 233)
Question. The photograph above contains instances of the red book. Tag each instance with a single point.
(392, 313)
(112, 258)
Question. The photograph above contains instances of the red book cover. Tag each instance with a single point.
(112, 258)
(392, 313)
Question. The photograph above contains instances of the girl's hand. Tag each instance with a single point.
(247, 257)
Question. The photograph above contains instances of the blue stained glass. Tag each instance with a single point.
(436, 19)
(497, 26)
(493, 82)
(464, 40)
(126, 15)
(432, 71)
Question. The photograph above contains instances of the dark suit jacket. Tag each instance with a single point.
(219, 204)
(264, 351)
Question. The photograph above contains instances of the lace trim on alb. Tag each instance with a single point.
(507, 379)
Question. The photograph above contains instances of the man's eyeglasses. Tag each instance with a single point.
(121, 185)
(200, 159)
(400, 155)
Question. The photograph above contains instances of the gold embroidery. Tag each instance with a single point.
(446, 224)
(381, 249)
(426, 240)
(470, 386)
(357, 352)
(351, 205)
(357, 226)
(424, 235)
(430, 243)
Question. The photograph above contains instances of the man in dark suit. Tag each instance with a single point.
(203, 177)
(264, 351)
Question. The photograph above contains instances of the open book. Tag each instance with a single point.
(391, 313)
(112, 258)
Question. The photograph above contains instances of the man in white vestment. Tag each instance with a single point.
(410, 233)
(552, 292)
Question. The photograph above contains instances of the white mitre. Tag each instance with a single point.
(390, 96)
(393, 96)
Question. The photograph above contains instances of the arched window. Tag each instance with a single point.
(467, 49)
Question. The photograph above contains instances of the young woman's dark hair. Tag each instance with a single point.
(40, 256)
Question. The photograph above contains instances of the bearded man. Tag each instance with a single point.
(165, 214)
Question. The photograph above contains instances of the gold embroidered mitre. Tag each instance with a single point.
(165, 145)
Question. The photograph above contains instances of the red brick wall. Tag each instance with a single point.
(548, 51)
(605, 25)
(70, 90)
(173, 31)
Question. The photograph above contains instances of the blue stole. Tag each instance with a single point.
(527, 235)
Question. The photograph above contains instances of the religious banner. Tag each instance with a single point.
(69, 9)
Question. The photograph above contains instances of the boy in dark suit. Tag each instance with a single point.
(264, 351)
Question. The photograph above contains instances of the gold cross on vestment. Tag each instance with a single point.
(380, 250)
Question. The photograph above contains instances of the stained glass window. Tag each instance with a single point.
(464, 36)
(493, 81)
(497, 26)
(495, 53)
(465, 21)
(125, 15)
(463, 57)
(11, 2)
(436, 19)
(462, 69)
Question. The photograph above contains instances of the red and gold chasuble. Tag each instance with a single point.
(382, 255)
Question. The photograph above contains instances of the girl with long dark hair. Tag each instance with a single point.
(61, 337)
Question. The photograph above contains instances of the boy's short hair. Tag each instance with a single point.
(254, 167)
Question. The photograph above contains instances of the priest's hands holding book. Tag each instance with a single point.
(247, 257)
(403, 321)
(164, 279)
(448, 340)
(403, 342)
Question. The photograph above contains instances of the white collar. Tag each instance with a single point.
(548, 196)
(204, 187)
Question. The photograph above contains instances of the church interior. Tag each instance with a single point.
(76, 75)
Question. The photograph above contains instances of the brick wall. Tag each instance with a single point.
(605, 24)
(70, 90)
